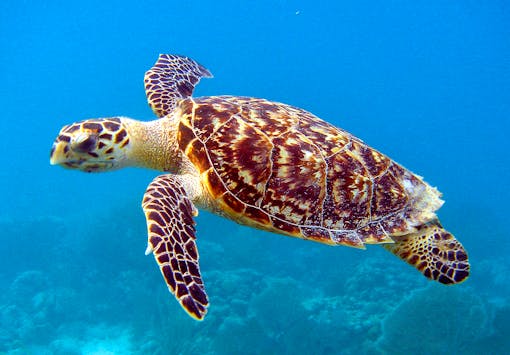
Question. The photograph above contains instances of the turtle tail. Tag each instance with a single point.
(434, 252)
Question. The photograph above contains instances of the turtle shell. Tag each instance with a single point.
(282, 169)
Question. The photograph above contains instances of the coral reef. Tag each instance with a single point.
(437, 320)
(86, 292)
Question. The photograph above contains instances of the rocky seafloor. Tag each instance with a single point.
(83, 286)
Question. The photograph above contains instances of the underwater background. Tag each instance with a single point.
(425, 82)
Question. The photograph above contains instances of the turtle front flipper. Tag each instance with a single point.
(171, 232)
(433, 251)
(172, 78)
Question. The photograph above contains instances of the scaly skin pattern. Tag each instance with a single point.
(433, 251)
(282, 169)
(171, 79)
(171, 234)
(92, 145)
(263, 164)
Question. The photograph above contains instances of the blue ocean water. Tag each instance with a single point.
(425, 82)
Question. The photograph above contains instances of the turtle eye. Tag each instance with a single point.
(85, 144)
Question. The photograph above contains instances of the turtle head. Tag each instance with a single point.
(93, 145)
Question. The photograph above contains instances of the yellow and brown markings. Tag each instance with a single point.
(214, 183)
(349, 190)
(273, 120)
(171, 79)
(208, 118)
(283, 169)
(389, 195)
(103, 128)
(241, 158)
(374, 162)
(171, 233)
(435, 252)
(330, 139)
(295, 190)
(90, 145)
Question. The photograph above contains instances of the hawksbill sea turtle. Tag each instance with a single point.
(262, 164)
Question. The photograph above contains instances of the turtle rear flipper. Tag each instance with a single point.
(171, 231)
(433, 251)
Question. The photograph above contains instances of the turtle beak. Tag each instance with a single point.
(57, 155)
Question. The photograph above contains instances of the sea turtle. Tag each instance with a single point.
(263, 164)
